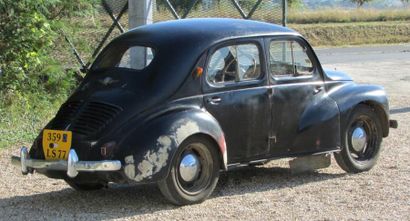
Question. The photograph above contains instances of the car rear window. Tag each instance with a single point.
(131, 57)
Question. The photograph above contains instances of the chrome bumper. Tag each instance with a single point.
(72, 165)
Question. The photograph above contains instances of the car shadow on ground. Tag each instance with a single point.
(259, 179)
(121, 201)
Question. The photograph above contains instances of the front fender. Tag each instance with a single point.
(349, 94)
(149, 149)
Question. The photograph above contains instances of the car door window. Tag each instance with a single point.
(234, 64)
(289, 59)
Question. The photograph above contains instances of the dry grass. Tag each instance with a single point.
(337, 34)
(274, 14)
(331, 15)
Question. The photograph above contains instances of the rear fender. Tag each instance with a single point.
(148, 151)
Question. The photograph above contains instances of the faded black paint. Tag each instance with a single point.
(303, 115)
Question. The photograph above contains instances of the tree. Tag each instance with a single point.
(359, 3)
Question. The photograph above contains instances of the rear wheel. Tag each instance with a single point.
(194, 172)
(85, 186)
(361, 141)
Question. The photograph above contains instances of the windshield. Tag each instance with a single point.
(125, 56)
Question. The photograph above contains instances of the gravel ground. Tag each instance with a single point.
(258, 193)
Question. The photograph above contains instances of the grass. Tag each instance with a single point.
(270, 12)
(21, 121)
(331, 15)
(338, 34)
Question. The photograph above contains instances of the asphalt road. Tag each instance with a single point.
(269, 192)
(388, 66)
(361, 54)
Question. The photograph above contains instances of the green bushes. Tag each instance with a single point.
(32, 82)
(24, 38)
(27, 40)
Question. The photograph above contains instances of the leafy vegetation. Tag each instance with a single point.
(32, 82)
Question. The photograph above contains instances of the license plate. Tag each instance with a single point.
(56, 144)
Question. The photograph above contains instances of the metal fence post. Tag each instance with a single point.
(139, 13)
(284, 12)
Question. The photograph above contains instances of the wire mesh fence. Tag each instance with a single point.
(87, 35)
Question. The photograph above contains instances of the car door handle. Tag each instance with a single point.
(270, 92)
(214, 100)
(317, 89)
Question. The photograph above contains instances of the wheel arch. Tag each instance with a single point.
(149, 159)
(221, 157)
(349, 95)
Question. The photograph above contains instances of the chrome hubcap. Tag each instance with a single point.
(359, 139)
(189, 167)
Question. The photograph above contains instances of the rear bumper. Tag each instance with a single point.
(73, 166)
(393, 124)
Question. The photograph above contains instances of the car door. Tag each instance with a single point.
(235, 93)
(304, 118)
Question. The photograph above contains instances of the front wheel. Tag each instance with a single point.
(194, 172)
(361, 141)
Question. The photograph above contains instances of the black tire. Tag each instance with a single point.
(85, 186)
(351, 158)
(181, 192)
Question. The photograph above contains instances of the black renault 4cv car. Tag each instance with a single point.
(175, 103)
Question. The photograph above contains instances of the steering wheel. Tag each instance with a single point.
(243, 70)
(226, 68)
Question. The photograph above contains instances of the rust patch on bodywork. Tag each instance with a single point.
(185, 130)
(156, 158)
(152, 162)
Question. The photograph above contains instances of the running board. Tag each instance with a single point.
(261, 162)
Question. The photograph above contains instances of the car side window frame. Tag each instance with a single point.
(259, 43)
(316, 72)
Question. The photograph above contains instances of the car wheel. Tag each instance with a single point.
(85, 186)
(361, 141)
(194, 172)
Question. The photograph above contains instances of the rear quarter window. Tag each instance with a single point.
(131, 57)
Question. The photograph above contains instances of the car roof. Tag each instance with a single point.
(179, 44)
(204, 30)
